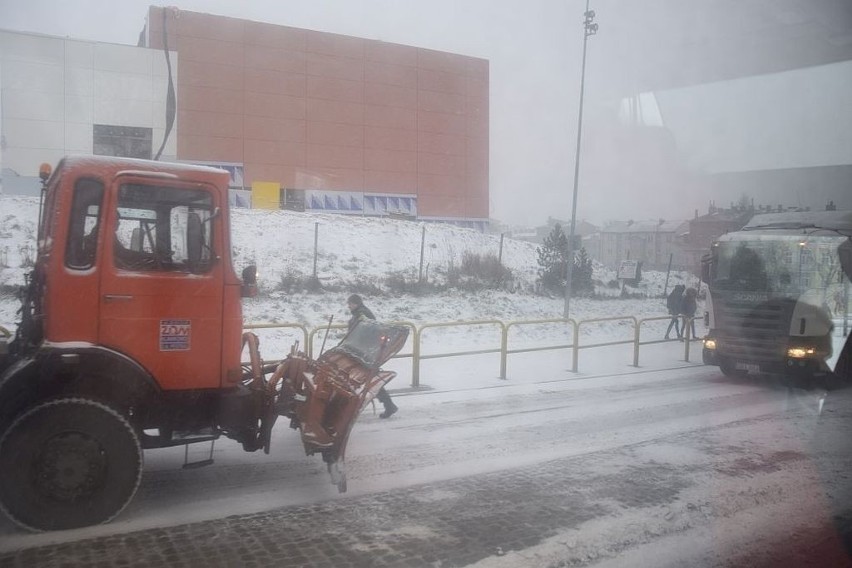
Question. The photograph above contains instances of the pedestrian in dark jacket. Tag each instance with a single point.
(674, 303)
(360, 312)
(690, 305)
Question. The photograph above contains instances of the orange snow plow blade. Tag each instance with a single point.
(324, 397)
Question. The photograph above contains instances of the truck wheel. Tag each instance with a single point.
(729, 369)
(68, 463)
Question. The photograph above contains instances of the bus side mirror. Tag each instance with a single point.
(249, 287)
(706, 261)
(844, 251)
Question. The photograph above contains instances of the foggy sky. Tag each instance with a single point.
(534, 48)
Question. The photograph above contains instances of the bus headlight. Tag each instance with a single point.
(801, 352)
(709, 343)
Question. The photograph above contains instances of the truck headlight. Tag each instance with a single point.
(709, 343)
(801, 352)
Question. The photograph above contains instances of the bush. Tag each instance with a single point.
(485, 268)
(292, 282)
(405, 282)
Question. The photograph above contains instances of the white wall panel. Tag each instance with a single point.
(34, 133)
(123, 112)
(36, 106)
(79, 81)
(36, 49)
(110, 85)
(79, 54)
(122, 59)
(30, 76)
(78, 138)
(79, 109)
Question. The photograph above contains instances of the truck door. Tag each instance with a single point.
(162, 287)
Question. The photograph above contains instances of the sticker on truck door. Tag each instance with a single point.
(175, 335)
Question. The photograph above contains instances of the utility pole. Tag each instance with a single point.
(590, 29)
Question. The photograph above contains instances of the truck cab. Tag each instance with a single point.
(131, 324)
(136, 262)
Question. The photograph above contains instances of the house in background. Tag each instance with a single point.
(651, 242)
(704, 229)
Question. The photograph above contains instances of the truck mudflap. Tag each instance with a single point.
(324, 397)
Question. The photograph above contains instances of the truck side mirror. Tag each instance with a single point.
(249, 287)
(844, 251)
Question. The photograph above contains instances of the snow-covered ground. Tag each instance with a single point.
(371, 256)
(465, 420)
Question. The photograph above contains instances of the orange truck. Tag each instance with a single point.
(131, 338)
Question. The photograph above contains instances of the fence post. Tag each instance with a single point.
(500, 256)
(504, 347)
(415, 355)
(422, 247)
(636, 344)
(576, 347)
(316, 242)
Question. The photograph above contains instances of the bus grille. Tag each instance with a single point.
(752, 328)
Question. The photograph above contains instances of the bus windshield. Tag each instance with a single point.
(779, 265)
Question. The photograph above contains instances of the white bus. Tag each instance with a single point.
(778, 296)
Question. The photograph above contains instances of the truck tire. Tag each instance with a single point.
(68, 463)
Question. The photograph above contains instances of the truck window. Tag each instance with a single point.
(164, 229)
(81, 248)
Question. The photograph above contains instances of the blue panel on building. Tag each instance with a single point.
(329, 203)
(315, 202)
(356, 204)
(343, 203)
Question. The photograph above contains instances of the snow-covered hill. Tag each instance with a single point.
(372, 256)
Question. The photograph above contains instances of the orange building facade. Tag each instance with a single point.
(322, 112)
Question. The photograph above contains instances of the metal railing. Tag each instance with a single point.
(575, 346)
(418, 335)
(505, 342)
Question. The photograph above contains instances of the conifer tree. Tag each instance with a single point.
(553, 259)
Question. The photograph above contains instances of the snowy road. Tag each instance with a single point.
(681, 465)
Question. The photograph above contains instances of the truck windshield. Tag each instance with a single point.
(778, 265)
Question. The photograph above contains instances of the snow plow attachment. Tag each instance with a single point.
(323, 397)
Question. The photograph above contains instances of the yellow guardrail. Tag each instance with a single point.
(505, 342)
(575, 345)
(415, 380)
(686, 323)
(5, 332)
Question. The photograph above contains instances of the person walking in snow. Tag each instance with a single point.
(690, 305)
(674, 303)
(360, 312)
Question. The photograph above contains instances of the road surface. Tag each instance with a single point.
(666, 468)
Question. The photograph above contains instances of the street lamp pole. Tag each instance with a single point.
(590, 29)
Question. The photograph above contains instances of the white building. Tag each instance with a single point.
(63, 96)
